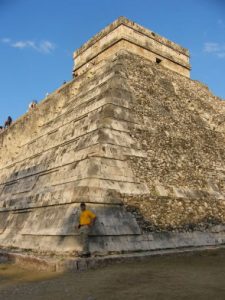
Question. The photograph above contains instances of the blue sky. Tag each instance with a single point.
(38, 38)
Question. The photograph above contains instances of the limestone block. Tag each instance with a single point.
(161, 191)
(62, 220)
(218, 228)
(122, 187)
(119, 113)
(116, 138)
(179, 192)
(4, 221)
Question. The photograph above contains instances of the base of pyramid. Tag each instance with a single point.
(151, 245)
(104, 245)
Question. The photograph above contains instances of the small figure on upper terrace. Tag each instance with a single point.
(8, 122)
(1, 129)
(86, 221)
(32, 105)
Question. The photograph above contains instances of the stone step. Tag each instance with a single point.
(35, 121)
(60, 194)
(113, 87)
(80, 125)
(102, 135)
(50, 194)
(63, 155)
(62, 220)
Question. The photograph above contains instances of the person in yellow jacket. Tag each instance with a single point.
(86, 221)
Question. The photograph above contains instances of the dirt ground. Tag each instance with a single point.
(193, 276)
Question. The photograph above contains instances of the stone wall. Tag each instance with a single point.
(71, 148)
(156, 214)
(182, 133)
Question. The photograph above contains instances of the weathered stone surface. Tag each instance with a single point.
(183, 140)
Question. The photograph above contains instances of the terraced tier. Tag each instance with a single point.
(72, 148)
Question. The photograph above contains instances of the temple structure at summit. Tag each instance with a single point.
(124, 34)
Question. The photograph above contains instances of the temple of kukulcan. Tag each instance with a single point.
(133, 137)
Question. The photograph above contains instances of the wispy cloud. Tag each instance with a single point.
(211, 47)
(221, 55)
(5, 40)
(45, 47)
(216, 49)
(23, 44)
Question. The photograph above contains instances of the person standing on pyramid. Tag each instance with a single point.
(8, 122)
(86, 221)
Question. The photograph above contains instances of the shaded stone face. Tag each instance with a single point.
(142, 145)
(183, 139)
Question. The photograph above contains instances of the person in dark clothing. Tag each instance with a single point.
(8, 122)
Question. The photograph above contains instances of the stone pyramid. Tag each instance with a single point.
(132, 136)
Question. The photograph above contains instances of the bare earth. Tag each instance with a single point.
(193, 276)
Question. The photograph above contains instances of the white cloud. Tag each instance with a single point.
(215, 49)
(45, 47)
(5, 40)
